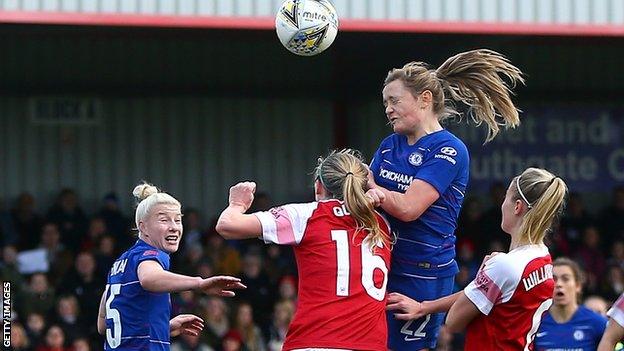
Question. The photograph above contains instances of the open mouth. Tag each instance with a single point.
(172, 239)
(559, 294)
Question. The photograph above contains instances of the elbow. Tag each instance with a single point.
(407, 215)
(101, 328)
(148, 283)
(225, 229)
(453, 326)
(453, 323)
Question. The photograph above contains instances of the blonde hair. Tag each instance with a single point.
(149, 196)
(545, 195)
(472, 78)
(344, 175)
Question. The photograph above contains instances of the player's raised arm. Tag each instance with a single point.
(233, 223)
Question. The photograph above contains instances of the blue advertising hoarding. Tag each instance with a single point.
(583, 145)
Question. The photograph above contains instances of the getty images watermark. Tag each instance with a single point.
(6, 314)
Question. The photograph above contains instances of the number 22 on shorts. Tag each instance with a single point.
(417, 334)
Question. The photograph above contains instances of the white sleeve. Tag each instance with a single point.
(495, 283)
(285, 225)
(617, 311)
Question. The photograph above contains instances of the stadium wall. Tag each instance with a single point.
(195, 148)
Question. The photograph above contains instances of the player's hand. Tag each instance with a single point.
(406, 308)
(371, 179)
(221, 285)
(487, 258)
(188, 324)
(242, 194)
(376, 196)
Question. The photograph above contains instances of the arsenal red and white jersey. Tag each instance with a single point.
(616, 312)
(342, 284)
(513, 291)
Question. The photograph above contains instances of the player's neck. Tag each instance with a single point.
(562, 314)
(425, 128)
(147, 240)
(516, 242)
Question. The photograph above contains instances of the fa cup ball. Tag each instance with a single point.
(306, 27)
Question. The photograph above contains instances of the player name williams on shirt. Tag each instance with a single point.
(538, 276)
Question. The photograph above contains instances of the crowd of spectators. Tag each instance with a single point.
(55, 308)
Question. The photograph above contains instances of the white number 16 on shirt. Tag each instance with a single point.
(369, 263)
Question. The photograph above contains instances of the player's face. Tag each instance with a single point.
(162, 227)
(402, 108)
(566, 286)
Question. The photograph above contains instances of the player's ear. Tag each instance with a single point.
(141, 227)
(426, 97)
(318, 187)
(518, 206)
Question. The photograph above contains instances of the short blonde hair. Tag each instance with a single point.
(149, 196)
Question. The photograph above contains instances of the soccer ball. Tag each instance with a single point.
(306, 27)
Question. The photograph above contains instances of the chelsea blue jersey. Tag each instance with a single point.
(136, 319)
(425, 247)
(581, 333)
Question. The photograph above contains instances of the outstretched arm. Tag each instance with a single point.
(155, 279)
(612, 335)
(460, 309)
(408, 308)
(233, 222)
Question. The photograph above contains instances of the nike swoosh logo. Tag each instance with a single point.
(384, 151)
(408, 338)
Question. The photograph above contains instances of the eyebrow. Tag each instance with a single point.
(165, 214)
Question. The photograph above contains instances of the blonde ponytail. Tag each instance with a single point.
(345, 176)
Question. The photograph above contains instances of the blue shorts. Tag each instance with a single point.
(419, 333)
